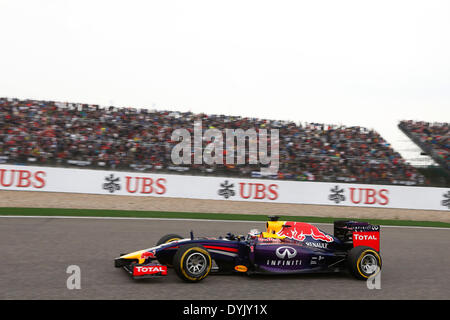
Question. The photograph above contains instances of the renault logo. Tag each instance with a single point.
(282, 252)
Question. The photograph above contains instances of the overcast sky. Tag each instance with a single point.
(369, 63)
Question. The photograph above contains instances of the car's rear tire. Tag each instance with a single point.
(166, 239)
(364, 262)
(192, 263)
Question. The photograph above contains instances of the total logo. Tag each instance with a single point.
(139, 271)
(363, 237)
(286, 252)
(371, 239)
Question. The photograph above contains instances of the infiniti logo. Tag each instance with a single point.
(282, 252)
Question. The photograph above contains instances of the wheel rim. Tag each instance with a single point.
(369, 264)
(196, 263)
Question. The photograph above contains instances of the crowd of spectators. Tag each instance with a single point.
(72, 134)
(432, 138)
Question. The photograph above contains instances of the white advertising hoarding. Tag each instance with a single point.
(49, 179)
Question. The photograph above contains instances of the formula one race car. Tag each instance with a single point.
(285, 247)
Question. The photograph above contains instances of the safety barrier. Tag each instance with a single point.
(49, 179)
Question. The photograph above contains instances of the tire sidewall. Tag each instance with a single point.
(356, 255)
(182, 256)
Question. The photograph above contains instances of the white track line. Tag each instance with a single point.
(186, 219)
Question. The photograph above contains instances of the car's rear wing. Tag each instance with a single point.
(355, 234)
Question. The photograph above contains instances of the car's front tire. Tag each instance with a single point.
(192, 263)
(364, 262)
(166, 239)
(169, 238)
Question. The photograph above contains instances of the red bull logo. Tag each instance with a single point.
(300, 230)
(148, 254)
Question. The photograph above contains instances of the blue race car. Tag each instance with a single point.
(286, 247)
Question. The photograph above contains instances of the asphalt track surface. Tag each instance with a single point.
(36, 253)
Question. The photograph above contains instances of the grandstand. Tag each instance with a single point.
(71, 134)
(432, 138)
(433, 141)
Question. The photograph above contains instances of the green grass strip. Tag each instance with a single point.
(198, 215)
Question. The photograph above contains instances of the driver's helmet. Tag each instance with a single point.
(254, 233)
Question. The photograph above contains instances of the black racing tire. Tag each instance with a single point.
(169, 238)
(166, 239)
(192, 263)
(364, 262)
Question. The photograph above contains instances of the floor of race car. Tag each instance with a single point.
(37, 252)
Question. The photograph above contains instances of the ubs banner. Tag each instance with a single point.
(29, 178)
